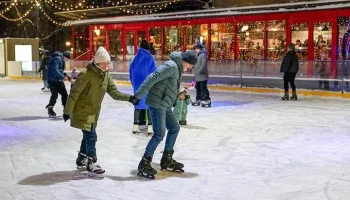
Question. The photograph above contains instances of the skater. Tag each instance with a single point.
(180, 109)
(162, 87)
(323, 66)
(43, 68)
(84, 104)
(290, 68)
(55, 77)
(140, 67)
(201, 75)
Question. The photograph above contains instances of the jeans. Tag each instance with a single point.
(289, 78)
(162, 119)
(58, 88)
(46, 84)
(88, 143)
(202, 92)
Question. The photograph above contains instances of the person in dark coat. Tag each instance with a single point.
(162, 89)
(290, 68)
(55, 77)
(140, 67)
(43, 69)
(201, 76)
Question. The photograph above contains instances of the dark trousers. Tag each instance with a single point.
(55, 89)
(289, 78)
(141, 116)
(202, 91)
(88, 143)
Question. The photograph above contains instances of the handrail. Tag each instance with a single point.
(81, 55)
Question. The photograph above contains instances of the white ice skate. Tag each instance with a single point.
(150, 130)
(95, 171)
(135, 129)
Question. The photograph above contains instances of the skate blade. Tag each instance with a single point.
(81, 167)
(94, 175)
(148, 176)
(173, 170)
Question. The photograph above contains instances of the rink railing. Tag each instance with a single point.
(324, 75)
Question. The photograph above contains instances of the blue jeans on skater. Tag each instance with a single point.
(162, 119)
(88, 143)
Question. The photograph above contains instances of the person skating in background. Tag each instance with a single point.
(140, 67)
(201, 76)
(290, 68)
(84, 105)
(43, 69)
(162, 89)
(55, 77)
(180, 109)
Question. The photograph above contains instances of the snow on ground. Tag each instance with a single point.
(246, 147)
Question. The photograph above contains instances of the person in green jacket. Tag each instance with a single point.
(162, 89)
(180, 109)
(84, 105)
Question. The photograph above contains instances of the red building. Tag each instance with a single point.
(247, 33)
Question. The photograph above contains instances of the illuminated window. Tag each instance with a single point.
(155, 41)
(115, 44)
(300, 36)
(222, 41)
(276, 44)
(322, 39)
(251, 40)
(196, 34)
(173, 40)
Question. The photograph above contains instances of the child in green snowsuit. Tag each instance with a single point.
(181, 104)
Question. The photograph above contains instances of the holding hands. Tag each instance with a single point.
(134, 100)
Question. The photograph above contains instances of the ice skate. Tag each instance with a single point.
(145, 169)
(50, 111)
(46, 90)
(81, 161)
(168, 163)
(206, 104)
(94, 169)
(196, 103)
(294, 96)
(183, 122)
(135, 129)
(150, 130)
(286, 96)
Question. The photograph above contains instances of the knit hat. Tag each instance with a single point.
(190, 57)
(67, 54)
(198, 46)
(102, 55)
(144, 44)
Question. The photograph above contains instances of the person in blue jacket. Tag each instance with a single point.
(55, 76)
(140, 67)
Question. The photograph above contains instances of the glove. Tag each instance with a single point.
(187, 96)
(134, 100)
(66, 117)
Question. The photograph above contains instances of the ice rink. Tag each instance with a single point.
(246, 147)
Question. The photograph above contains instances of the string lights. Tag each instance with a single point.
(136, 9)
(21, 16)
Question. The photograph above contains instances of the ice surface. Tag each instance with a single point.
(246, 147)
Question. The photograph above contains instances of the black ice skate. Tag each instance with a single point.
(286, 96)
(206, 104)
(196, 103)
(294, 96)
(183, 122)
(94, 169)
(50, 111)
(81, 161)
(168, 163)
(145, 168)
